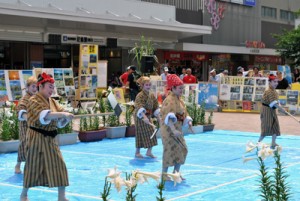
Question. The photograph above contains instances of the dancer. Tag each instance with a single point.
(174, 116)
(21, 109)
(268, 116)
(146, 106)
(45, 165)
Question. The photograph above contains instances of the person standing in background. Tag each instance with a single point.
(31, 89)
(133, 87)
(146, 106)
(165, 74)
(124, 77)
(189, 78)
(183, 73)
(282, 82)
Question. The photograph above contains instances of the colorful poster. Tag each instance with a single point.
(3, 88)
(208, 93)
(292, 100)
(24, 75)
(119, 94)
(286, 72)
(224, 92)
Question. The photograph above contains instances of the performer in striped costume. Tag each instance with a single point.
(268, 116)
(21, 109)
(146, 106)
(45, 165)
(174, 116)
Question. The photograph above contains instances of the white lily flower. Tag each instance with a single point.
(154, 175)
(176, 177)
(245, 160)
(8, 103)
(140, 178)
(76, 110)
(118, 182)
(113, 173)
(10, 122)
(8, 113)
(278, 149)
(130, 183)
(250, 146)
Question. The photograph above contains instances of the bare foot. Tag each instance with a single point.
(139, 155)
(182, 178)
(17, 169)
(24, 198)
(151, 155)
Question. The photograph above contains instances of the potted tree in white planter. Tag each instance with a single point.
(66, 135)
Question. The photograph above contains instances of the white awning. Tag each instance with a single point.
(225, 49)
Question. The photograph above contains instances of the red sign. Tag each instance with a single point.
(268, 59)
(255, 44)
(185, 56)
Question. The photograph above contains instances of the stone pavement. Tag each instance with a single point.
(251, 122)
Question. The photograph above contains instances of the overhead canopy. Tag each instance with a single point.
(23, 21)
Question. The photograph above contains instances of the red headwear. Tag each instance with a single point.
(272, 77)
(46, 78)
(173, 80)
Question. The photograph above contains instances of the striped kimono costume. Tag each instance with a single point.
(174, 148)
(22, 108)
(145, 103)
(268, 116)
(45, 165)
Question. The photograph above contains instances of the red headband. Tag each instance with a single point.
(272, 77)
(46, 78)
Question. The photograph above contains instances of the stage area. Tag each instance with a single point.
(214, 169)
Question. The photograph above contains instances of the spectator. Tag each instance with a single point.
(245, 73)
(189, 78)
(282, 82)
(296, 75)
(213, 77)
(183, 73)
(133, 87)
(256, 72)
(239, 74)
(165, 74)
(124, 77)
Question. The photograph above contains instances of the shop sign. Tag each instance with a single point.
(185, 56)
(268, 59)
(173, 55)
(255, 44)
(254, 50)
(249, 2)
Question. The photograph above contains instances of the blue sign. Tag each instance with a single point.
(249, 2)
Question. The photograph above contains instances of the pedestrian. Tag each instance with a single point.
(133, 87)
(31, 89)
(189, 78)
(165, 74)
(183, 73)
(282, 82)
(146, 107)
(44, 165)
(174, 116)
(268, 116)
(124, 77)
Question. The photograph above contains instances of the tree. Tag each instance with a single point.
(288, 45)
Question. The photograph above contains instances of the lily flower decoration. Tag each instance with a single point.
(8, 103)
(245, 160)
(8, 113)
(130, 183)
(265, 152)
(118, 182)
(113, 173)
(75, 110)
(176, 177)
(250, 146)
(140, 178)
(153, 175)
(278, 149)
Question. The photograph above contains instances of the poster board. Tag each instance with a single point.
(286, 70)
(208, 93)
(88, 72)
(102, 74)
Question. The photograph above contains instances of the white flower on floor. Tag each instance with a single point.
(265, 152)
(140, 178)
(113, 173)
(130, 183)
(176, 177)
(118, 182)
(245, 160)
(250, 146)
(153, 175)
(279, 149)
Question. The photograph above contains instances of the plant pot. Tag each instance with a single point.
(67, 138)
(130, 131)
(115, 132)
(208, 127)
(9, 146)
(197, 129)
(92, 136)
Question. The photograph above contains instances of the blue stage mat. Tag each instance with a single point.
(214, 169)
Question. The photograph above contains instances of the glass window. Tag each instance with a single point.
(284, 15)
(268, 12)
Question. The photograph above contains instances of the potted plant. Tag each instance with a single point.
(90, 129)
(143, 49)
(130, 128)
(66, 135)
(114, 128)
(9, 133)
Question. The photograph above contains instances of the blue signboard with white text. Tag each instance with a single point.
(249, 2)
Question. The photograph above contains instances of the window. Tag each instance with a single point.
(268, 12)
(287, 15)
